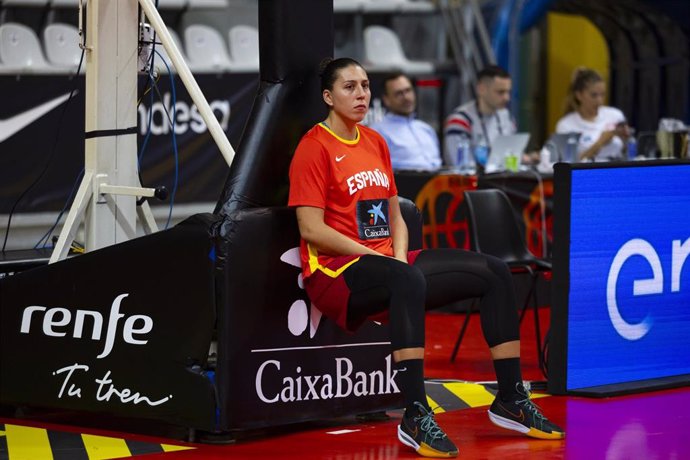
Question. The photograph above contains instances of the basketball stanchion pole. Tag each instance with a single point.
(106, 199)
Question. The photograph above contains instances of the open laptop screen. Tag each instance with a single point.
(560, 151)
(501, 147)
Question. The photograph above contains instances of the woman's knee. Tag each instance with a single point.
(499, 269)
(407, 278)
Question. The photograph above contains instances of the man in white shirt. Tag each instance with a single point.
(480, 121)
(413, 144)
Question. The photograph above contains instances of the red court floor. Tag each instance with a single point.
(643, 426)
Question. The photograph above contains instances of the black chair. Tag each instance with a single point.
(495, 231)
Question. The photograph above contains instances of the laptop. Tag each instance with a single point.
(557, 145)
(501, 147)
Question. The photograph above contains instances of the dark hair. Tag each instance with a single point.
(582, 78)
(491, 72)
(393, 76)
(330, 68)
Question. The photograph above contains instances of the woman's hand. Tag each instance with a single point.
(623, 130)
(593, 150)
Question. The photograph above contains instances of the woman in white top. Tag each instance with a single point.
(603, 129)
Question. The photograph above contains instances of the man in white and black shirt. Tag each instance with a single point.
(481, 120)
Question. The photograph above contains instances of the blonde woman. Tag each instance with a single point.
(603, 129)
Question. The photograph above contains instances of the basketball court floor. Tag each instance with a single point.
(642, 426)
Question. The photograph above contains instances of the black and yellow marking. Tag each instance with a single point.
(27, 443)
(3, 443)
(19, 442)
(445, 395)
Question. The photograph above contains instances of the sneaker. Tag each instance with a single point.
(422, 433)
(524, 416)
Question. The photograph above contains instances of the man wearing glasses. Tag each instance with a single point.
(413, 144)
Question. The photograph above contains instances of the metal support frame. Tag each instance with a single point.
(106, 199)
(464, 22)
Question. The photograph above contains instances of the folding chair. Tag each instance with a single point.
(495, 231)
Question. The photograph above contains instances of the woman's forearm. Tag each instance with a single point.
(324, 238)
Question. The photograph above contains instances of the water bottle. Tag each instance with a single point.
(481, 151)
(465, 162)
(571, 149)
(632, 146)
(461, 153)
(548, 155)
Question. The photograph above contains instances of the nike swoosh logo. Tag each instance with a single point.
(12, 125)
(520, 417)
(339, 159)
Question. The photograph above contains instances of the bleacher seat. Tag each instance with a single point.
(244, 48)
(64, 3)
(383, 6)
(20, 50)
(417, 6)
(172, 4)
(383, 51)
(348, 6)
(208, 3)
(61, 45)
(206, 49)
(24, 2)
(162, 4)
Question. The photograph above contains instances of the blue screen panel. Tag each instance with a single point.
(629, 298)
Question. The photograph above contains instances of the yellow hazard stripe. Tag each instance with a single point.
(27, 443)
(476, 395)
(472, 394)
(171, 448)
(436, 407)
(101, 447)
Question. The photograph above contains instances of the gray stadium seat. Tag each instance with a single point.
(383, 51)
(20, 50)
(206, 49)
(244, 48)
(61, 45)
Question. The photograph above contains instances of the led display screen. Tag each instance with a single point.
(627, 307)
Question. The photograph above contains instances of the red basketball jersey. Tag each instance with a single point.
(351, 181)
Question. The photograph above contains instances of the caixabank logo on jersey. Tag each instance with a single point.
(373, 219)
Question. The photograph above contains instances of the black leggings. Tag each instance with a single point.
(437, 278)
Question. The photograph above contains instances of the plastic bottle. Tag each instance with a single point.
(632, 146)
(570, 150)
(465, 162)
(460, 155)
(545, 158)
(481, 151)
